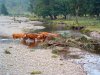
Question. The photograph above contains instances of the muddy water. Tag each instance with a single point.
(90, 62)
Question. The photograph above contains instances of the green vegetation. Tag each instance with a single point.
(90, 23)
(69, 12)
(16, 6)
(54, 56)
(7, 52)
(35, 72)
(4, 10)
(55, 52)
(75, 8)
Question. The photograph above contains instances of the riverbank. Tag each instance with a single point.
(91, 23)
(23, 61)
(17, 59)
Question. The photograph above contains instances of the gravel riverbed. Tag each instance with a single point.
(22, 61)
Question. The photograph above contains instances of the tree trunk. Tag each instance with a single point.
(85, 14)
(14, 18)
(98, 17)
(44, 17)
(77, 11)
(65, 17)
(51, 17)
(55, 17)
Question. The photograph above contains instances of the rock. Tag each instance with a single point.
(77, 28)
(95, 35)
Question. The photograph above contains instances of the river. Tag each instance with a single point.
(90, 61)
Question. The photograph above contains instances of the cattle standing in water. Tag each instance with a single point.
(31, 36)
(45, 35)
(18, 35)
(31, 39)
(42, 36)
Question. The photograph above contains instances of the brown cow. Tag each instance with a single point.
(42, 36)
(31, 36)
(46, 35)
(18, 35)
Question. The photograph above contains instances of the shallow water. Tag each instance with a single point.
(8, 41)
(90, 62)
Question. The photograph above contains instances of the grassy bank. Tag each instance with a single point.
(90, 23)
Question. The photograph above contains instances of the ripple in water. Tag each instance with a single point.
(7, 41)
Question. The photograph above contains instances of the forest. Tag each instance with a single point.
(54, 8)
(14, 6)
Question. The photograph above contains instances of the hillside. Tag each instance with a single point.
(16, 6)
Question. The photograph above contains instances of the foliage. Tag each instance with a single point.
(35, 72)
(7, 52)
(4, 10)
(54, 56)
(16, 6)
(54, 8)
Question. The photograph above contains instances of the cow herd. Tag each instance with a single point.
(35, 37)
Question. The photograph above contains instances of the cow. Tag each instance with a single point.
(42, 36)
(18, 35)
(46, 35)
(31, 36)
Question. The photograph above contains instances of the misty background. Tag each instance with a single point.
(15, 6)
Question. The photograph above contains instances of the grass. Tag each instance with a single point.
(91, 23)
(94, 28)
(54, 56)
(7, 52)
(35, 18)
(35, 72)
(55, 52)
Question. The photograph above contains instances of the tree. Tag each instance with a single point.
(32, 5)
(53, 8)
(46, 8)
(75, 7)
(96, 9)
(64, 8)
(4, 10)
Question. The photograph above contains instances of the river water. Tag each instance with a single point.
(90, 61)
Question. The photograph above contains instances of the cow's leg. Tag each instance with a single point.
(44, 38)
(34, 40)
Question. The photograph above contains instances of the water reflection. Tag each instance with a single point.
(52, 28)
(8, 41)
(17, 41)
(30, 44)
